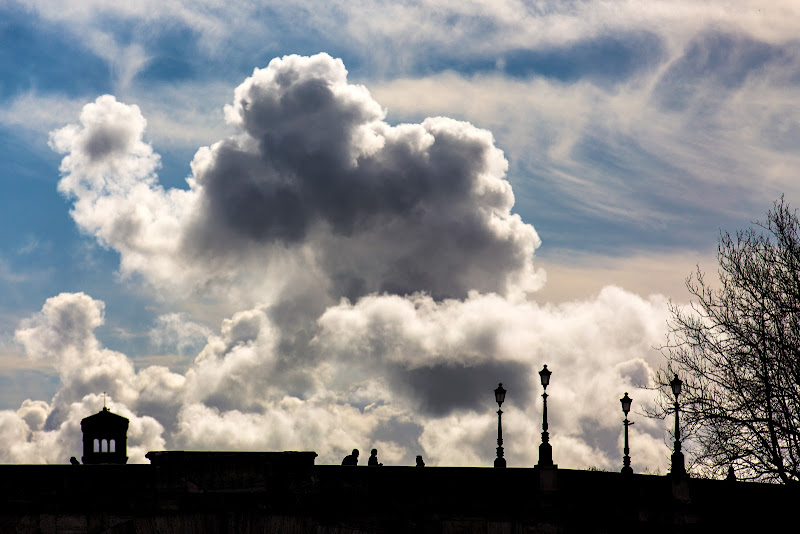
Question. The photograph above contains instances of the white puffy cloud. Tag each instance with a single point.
(25, 440)
(34, 413)
(175, 329)
(316, 193)
(62, 335)
(408, 375)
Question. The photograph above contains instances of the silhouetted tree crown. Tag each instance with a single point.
(737, 348)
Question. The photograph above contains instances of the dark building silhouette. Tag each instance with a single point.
(105, 438)
(282, 492)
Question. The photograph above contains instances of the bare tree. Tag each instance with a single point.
(737, 348)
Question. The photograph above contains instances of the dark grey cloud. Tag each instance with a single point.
(442, 389)
(315, 198)
(403, 432)
(598, 434)
(421, 207)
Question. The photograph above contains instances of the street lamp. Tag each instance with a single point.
(499, 396)
(678, 468)
(545, 449)
(626, 459)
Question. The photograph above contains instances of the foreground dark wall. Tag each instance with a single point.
(285, 492)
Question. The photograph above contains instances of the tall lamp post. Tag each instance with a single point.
(545, 449)
(626, 459)
(499, 396)
(678, 468)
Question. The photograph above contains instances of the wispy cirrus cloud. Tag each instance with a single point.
(701, 138)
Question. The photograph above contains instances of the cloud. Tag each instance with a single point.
(642, 148)
(411, 374)
(315, 178)
(62, 334)
(637, 161)
(176, 330)
(408, 38)
(450, 25)
(379, 286)
(38, 112)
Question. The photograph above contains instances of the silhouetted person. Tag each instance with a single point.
(351, 459)
(420, 463)
(373, 459)
(74, 461)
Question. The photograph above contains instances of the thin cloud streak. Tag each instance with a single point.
(443, 28)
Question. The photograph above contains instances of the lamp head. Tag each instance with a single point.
(545, 376)
(500, 394)
(626, 404)
(676, 384)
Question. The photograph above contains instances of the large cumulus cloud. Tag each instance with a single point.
(376, 284)
(316, 183)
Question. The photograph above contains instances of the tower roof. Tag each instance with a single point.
(104, 418)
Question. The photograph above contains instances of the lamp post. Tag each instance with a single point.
(499, 396)
(545, 449)
(626, 459)
(678, 468)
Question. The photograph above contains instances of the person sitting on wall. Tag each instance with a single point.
(373, 459)
(420, 463)
(351, 459)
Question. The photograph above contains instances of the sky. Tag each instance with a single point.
(335, 225)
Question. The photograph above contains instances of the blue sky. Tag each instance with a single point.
(633, 133)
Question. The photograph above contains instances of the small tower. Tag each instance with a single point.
(105, 438)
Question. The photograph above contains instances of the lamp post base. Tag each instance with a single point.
(626, 463)
(678, 468)
(545, 455)
(627, 470)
